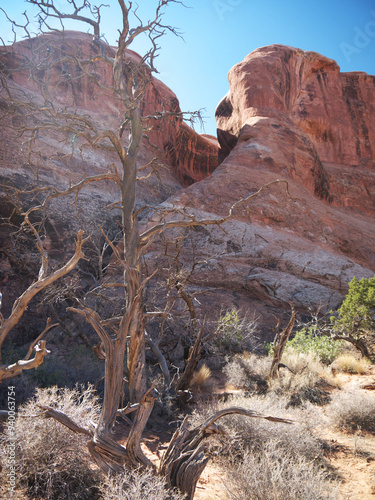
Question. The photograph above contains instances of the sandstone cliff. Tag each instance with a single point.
(183, 155)
(288, 115)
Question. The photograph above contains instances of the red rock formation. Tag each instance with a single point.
(189, 155)
(184, 155)
(310, 115)
(290, 115)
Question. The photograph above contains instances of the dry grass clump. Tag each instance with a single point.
(353, 410)
(200, 377)
(52, 461)
(308, 382)
(308, 368)
(137, 485)
(268, 460)
(245, 370)
(275, 474)
(304, 379)
(350, 364)
(243, 432)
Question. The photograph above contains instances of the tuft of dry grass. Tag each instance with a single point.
(52, 461)
(243, 433)
(353, 410)
(308, 380)
(137, 485)
(200, 377)
(245, 368)
(348, 363)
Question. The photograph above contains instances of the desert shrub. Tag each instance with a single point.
(233, 332)
(275, 474)
(353, 410)
(350, 364)
(357, 310)
(356, 316)
(308, 341)
(248, 370)
(308, 381)
(268, 460)
(52, 461)
(137, 485)
(242, 433)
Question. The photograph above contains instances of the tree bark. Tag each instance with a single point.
(184, 460)
(279, 345)
(191, 363)
(20, 305)
(358, 344)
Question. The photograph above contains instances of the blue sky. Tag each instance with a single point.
(218, 34)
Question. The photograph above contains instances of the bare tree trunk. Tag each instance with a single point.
(137, 356)
(133, 445)
(114, 369)
(184, 460)
(191, 363)
(279, 345)
(358, 344)
(160, 359)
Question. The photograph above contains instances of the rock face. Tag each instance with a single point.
(290, 115)
(183, 156)
(189, 156)
(317, 119)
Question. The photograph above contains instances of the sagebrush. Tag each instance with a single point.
(53, 462)
(137, 485)
(353, 410)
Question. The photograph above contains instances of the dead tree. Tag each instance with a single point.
(184, 460)
(45, 278)
(179, 279)
(52, 60)
(279, 343)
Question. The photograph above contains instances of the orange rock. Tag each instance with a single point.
(290, 115)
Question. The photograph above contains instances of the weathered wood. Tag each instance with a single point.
(49, 412)
(133, 446)
(184, 460)
(191, 363)
(15, 369)
(279, 345)
(160, 359)
(20, 305)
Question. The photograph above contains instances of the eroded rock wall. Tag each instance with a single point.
(289, 115)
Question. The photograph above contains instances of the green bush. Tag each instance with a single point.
(233, 331)
(357, 312)
(307, 341)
